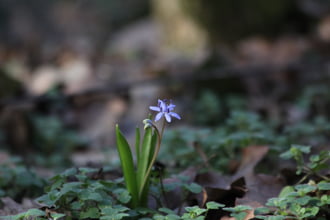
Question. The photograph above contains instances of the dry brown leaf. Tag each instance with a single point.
(260, 187)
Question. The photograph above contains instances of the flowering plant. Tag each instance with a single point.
(137, 177)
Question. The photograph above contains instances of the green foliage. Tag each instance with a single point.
(207, 109)
(54, 142)
(221, 144)
(84, 197)
(193, 212)
(303, 201)
(31, 213)
(316, 162)
(238, 212)
(17, 181)
(311, 132)
(127, 163)
(137, 180)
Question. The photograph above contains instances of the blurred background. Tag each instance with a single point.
(71, 69)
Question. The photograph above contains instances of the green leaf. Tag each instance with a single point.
(122, 195)
(195, 210)
(285, 191)
(35, 212)
(137, 143)
(88, 195)
(323, 185)
(193, 187)
(303, 149)
(303, 200)
(239, 215)
(303, 189)
(275, 217)
(143, 164)
(56, 216)
(238, 208)
(71, 187)
(69, 172)
(325, 200)
(113, 213)
(49, 199)
(127, 164)
(261, 210)
(76, 205)
(90, 213)
(213, 205)
(166, 210)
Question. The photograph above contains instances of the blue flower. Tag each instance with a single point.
(164, 110)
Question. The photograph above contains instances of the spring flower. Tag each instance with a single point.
(165, 110)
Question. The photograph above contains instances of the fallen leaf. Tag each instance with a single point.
(260, 187)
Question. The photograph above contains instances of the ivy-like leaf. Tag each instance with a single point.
(323, 185)
(193, 187)
(90, 213)
(214, 205)
(57, 216)
(113, 213)
(88, 195)
(122, 195)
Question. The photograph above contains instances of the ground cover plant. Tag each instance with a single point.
(164, 109)
(203, 187)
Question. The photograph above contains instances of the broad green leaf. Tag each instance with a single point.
(305, 188)
(71, 187)
(285, 191)
(323, 185)
(261, 210)
(303, 200)
(303, 149)
(113, 213)
(238, 208)
(193, 187)
(76, 205)
(325, 200)
(196, 210)
(117, 216)
(127, 164)
(122, 195)
(56, 216)
(239, 215)
(214, 205)
(88, 195)
(69, 172)
(90, 213)
(166, 210)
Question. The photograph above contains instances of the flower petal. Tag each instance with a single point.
(162, 105)
(175, 115)
(159, 115)
(154, 108)
(168, 117)
(171, 107)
